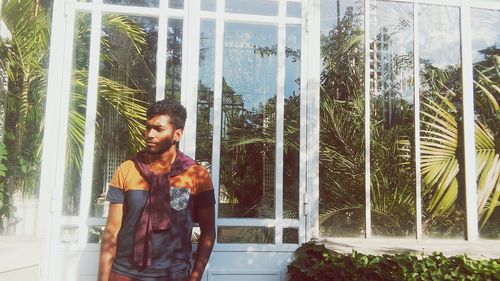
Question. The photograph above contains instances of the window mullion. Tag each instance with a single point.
(161, 52)
(190, 70)
(416, 74)
(472, 232)
(368, 225)
(216, 144)
(90, 123)
(278, 171)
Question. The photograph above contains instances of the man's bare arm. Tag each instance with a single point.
(108, 243)
(206, 219)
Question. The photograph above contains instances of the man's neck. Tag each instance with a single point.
(163, 162)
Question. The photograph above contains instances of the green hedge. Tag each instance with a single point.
(315, 262)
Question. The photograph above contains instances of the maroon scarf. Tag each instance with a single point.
(156, 213)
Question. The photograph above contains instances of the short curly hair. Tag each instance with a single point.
(172, 108)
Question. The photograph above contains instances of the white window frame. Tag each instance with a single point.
(464, 6)
(54, 153)
(57, 105)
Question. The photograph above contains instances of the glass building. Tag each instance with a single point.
(363, 124)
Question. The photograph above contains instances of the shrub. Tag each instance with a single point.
(313, 262)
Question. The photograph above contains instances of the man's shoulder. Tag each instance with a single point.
(198, 171)
(128, 169)
(201, 177)
(128, 163)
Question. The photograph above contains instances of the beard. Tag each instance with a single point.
(160, 148)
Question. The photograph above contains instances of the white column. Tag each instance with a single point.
(313, 108)
(54, 142)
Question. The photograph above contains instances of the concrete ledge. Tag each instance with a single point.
(377, 246)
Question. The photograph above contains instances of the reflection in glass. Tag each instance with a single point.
(76, 118)
(392, 156)
(174, 60)
(176, 4)
(69, 234)
(294, 9)
(95, 234)
(290, 235)
(127, 84)
(440, 125)
(486, 63)
(255, 7)
(140, 3)
(195, 234)
(204, 119)
(248, 116)
(208, 5)
(245, 234)
(342, 157)
(291, 155)
(24, 56)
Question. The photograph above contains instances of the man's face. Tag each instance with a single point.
(161, 134)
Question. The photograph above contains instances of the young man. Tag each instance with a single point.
(154, 200)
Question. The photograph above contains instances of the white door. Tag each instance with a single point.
(236, 67)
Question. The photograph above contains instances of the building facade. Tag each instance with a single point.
(370, 124)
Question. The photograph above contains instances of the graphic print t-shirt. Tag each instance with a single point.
(189, 190)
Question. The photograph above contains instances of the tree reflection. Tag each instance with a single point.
(342, 201)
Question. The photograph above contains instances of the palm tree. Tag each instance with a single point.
(25, 59)
(440, 149)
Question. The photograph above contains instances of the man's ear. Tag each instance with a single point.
(178, 135)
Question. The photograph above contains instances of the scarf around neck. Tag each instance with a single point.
(156, 213)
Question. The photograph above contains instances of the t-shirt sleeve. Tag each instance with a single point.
(205, 196)
(117, 186)
(115, 195)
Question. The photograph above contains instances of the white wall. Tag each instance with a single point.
(20, 258)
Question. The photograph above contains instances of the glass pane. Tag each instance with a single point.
(208, 5)
(140, 3)
(290, 236)
(205, 117)
(333, 11)
(392, 150)
(174, 60)
(76, 118)
(486, 63)
(69, 234)
(255, 7)
(342, 145)
(248, 116)
(126, 85)
(440, 121)
(176, 4)
(195, 234)
(294, 9)
(291, 155)
(245, 234)
(95, 234)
